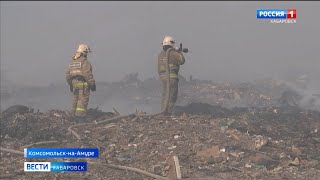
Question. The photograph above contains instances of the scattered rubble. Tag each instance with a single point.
(132, 92)
(255, 143)
(221, 130)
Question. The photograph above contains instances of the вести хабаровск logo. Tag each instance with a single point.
(278, 15)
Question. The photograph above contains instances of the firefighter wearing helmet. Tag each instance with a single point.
(80, 79)
(169, 62)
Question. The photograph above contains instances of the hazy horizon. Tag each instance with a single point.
(226, 41)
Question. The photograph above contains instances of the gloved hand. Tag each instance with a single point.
(93, 87)
(71, 88)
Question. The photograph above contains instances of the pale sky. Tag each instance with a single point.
(226, 41)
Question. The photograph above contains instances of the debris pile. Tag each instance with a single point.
(131, 93)
(233, 94)
(239, 143)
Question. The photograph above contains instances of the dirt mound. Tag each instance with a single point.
(16, 109)
(18, 123)
(31, 127)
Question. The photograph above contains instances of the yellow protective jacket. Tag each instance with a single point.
(80, 67)
(176, 59)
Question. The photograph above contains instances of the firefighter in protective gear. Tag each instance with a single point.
(80, 79)
(172, 58)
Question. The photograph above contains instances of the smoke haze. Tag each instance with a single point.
(226, 41)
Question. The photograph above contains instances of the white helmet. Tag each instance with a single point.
(83, 48)
(168, 40)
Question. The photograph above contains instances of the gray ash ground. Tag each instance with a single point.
(210, 141)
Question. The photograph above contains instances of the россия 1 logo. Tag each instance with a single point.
(278, 15)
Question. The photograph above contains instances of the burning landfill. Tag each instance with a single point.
(254, 130)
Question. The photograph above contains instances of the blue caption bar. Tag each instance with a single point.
(68, 166)
(271, 13)
(55, 166)
(61, 153)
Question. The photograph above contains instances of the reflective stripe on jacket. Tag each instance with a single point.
(80, 67)
(175, 60)
(79, 84)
